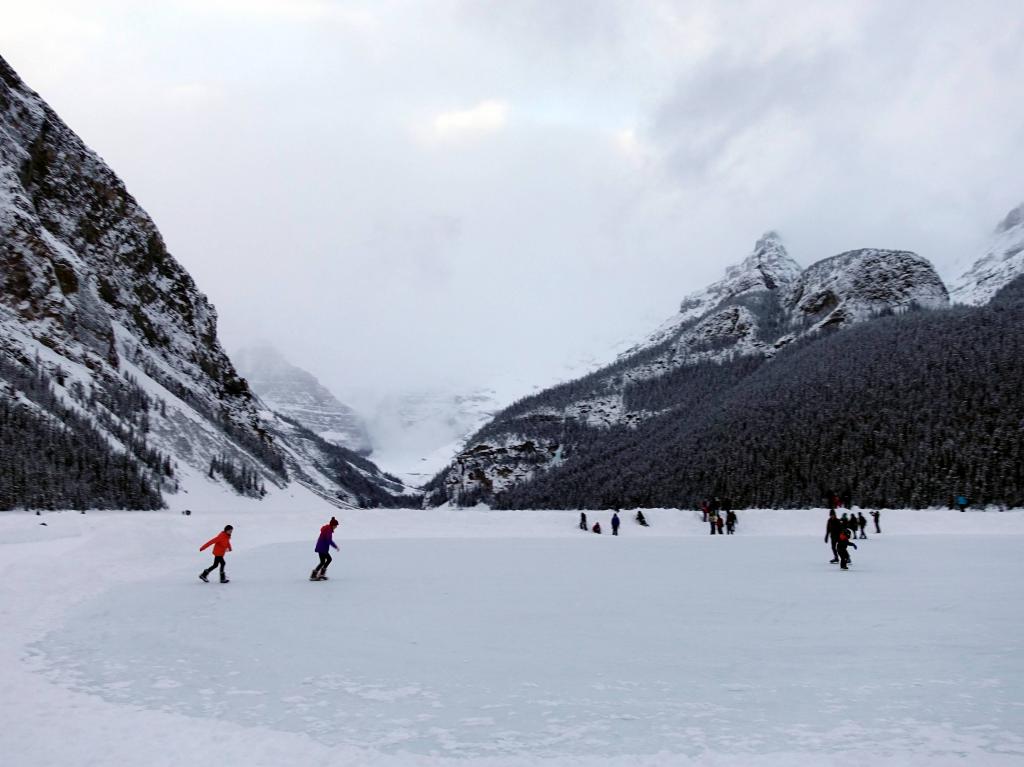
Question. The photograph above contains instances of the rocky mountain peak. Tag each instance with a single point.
(768, 267)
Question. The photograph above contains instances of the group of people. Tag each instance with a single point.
(616, 522)
(841, 531)
(719, 516)
(221, 544)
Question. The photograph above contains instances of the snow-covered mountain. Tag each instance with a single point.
(1002, 261)
(116, 391)
(297, 394)
(761, 305)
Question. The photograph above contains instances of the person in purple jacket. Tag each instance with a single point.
(323, 548)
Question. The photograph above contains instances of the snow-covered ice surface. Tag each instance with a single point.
(508, 638)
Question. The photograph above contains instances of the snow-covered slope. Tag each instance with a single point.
(1002, 261)
(761, 305)
(297, 394)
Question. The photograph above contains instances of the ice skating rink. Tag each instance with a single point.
(503, 638)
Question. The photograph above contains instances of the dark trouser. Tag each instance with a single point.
(835, 551)
(730, 528)
(325, 560)
(615, 530)
(713, 528)
(217, 562)
(844, 558)
(877, 528)
(863, 535)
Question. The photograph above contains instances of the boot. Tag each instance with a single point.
(224, 579)
(315, 574)
(833, 561)
(202, 577)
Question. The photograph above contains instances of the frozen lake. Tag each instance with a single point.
(594, 648)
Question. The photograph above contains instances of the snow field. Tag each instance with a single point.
(498, 638)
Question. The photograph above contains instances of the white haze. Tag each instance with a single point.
(419, 195)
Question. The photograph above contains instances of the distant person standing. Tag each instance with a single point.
(583, 521)
(705, 509)
(862, 522)
(720, 524)
(713, 522)
(876, 514)
(323, 548)
(961, 503)
(833, 527)
(730, 522)
(615, 522)
(221, 543)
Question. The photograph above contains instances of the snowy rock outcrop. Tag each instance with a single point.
(1001, 263)
(297, 394)
(856, 285)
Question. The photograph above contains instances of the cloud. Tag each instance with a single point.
(487, 117)
(603, 157)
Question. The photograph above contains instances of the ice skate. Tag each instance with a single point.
(202, 577)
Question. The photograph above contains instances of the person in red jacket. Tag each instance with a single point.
(221, 543)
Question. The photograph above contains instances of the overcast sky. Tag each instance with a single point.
(406, 194)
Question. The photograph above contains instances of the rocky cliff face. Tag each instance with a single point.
(760, 306)
(85, 275)
(297, 394)
(999, 265)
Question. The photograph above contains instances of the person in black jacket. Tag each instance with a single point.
(615, 522)
(841, 546)
(876, 514)
(583, 521)
(863, 522)
(641, 519)
(832, 530)
(730, 522)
